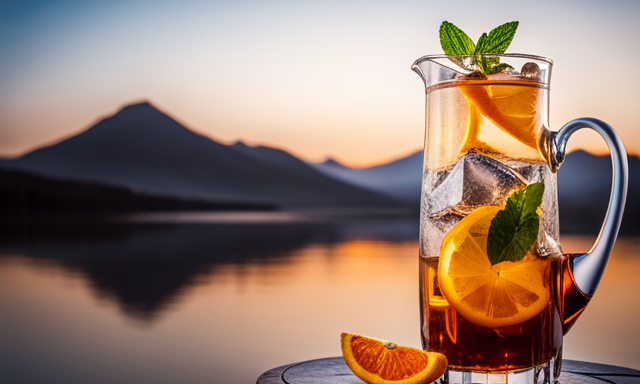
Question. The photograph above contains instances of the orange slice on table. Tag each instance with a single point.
(382, 362)
(495, 296)
(513, 108)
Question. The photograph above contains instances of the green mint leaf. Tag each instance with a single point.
(490, 65)
(486, 64)
(454, 41)
(482, 44)
(496, 68)
(514, 229)
(498, 39)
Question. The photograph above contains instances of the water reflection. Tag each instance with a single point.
(146, 268)
(221, 303)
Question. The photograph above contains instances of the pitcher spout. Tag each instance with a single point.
(435, 69)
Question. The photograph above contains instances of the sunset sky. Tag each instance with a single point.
(324, 78)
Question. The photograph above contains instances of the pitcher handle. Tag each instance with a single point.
(587, 269)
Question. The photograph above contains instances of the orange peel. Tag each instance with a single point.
(382, 362)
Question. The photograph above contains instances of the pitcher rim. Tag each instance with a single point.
(518, 55)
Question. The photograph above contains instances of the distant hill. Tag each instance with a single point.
(146, 151)
(143, 158)
(584, 183)
(27, 196)
(400, 179)
(584, 186)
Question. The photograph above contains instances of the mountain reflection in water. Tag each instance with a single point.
(223, 302)
(146, 268)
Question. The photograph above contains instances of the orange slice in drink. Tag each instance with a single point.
(382, 362)
(511, 107)
(495, 296)
(471, 141)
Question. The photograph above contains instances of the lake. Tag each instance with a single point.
(220, 298)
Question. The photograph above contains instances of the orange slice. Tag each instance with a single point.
(511, 107)
(495, 296)
(381, 362)
(471, 141)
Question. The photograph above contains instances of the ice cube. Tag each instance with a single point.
(475, 75)
(530, 70)
(474, 181)
(508, 70)
(433, 231)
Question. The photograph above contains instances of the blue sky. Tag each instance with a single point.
(319, 79)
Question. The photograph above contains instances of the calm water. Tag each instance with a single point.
(223, 300)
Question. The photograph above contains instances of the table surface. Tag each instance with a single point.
(334, 370)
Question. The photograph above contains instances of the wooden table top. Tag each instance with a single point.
(334, 370)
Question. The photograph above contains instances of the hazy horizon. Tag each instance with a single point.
(96, 120)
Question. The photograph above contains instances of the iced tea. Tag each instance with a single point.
(497, 294)
(493, 146)
(472, 347)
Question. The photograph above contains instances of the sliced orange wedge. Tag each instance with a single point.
(471, 141)
(511, 107)
(382, 362)
(495, 296)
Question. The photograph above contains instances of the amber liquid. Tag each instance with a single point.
(575, 301)
(457, 128)
(470, 347)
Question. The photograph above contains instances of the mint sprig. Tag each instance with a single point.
(498, 40)
(514, 229)
(455, 42)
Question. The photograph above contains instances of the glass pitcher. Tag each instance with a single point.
(486, 138)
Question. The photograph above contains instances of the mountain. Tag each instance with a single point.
(26, 196)
(400, 179)
(146, 151)
(584, 185)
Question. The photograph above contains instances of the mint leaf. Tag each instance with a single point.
(486, 64)
(482, 43)
(490, 65)
(496, 68)
(498, 39)
(455, 42)
(514, 229)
